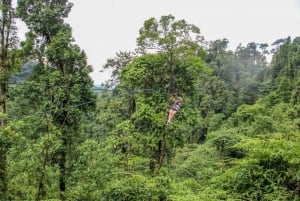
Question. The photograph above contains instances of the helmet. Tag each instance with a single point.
(180, 98)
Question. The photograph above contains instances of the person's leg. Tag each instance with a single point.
(171, 115)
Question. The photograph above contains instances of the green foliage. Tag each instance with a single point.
(146, 72)
(225, 142)
(152, 77)
(116, 64)
(30, 162)
(196, 162)
(194, 167)
(10, 58)
(43, 17)
(93, 168)
(167, 34)
(50, 103)
(10, 62)
(216, 121)
(236, 136)
(267, 134)
(136, 188)
(286, 60)
(268, 172)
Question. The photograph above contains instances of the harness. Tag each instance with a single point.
(176, 106)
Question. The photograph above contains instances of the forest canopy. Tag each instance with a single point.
(235, 137)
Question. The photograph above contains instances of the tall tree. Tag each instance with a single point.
(223, 61)
(252, 63)
(177, 44)
(170, 37)
(61, 74)
(9, 62)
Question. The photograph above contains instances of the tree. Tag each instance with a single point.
(117, 63)
(61, 74)
(9, 62)
(173, 68)
(170, 37)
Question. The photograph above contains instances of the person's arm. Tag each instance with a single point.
(173, 99)
(176, 100)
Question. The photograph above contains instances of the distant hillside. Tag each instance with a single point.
(27, 69)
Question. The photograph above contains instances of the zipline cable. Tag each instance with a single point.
(49, 111)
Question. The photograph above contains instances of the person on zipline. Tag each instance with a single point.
(174, 109)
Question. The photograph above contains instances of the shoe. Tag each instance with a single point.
(167, 123)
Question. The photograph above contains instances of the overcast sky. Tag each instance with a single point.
(103, 27)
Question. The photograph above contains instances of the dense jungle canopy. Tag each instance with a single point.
(236, 136)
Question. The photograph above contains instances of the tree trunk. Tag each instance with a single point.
(41, 189)
(4, 91)
(3, 149)
(171, 90)
(3, 180)
(63, 159)
(62, 167)
(161, 149)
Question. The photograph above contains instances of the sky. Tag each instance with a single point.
(103, 27)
